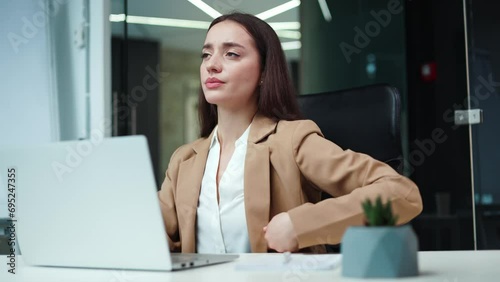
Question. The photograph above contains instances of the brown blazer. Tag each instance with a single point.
(288, 164)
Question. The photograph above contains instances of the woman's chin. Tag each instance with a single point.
(214, 98)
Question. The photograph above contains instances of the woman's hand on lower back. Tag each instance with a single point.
(280, 234)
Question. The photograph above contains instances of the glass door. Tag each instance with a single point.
(482, 26)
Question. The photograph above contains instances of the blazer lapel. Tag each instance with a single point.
(257, 182)
(190, 176)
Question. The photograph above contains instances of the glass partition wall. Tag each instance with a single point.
(483, 66)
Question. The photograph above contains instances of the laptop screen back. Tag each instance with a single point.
(88, 204)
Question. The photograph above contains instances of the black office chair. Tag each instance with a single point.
(364, 119)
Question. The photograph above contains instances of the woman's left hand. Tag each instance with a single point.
(280, 234)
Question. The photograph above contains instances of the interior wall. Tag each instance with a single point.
(28, 111)
(28, 107)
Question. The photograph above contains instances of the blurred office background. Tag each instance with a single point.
(75, 68)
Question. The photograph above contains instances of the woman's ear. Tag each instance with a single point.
(261, 80)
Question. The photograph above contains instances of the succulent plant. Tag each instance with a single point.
(378, 214)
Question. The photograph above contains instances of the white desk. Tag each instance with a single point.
(452, 266)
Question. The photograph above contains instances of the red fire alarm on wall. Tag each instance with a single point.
(428, 72)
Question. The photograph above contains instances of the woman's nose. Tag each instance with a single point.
(213, 64)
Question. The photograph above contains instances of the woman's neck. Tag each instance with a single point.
(231, 125)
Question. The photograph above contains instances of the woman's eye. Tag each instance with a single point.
(204, 55)
(231, 54)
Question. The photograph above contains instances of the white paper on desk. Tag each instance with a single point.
(297, 262)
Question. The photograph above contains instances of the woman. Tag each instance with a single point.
(252, 183)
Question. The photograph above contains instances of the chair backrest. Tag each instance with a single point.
(364, 119)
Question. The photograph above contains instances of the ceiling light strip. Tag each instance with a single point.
(187, 23)
(205, 8)
(285, 25)
(117, 18)
(168, 22)
(160, 21)
(324, 9)
(292, 45)
(278, 9)
(291, 34)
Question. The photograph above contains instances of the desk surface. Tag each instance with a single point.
(434, 266)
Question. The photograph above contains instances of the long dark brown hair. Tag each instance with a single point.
(277, 98)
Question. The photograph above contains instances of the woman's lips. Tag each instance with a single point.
(212, 83)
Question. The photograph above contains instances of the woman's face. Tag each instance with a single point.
(230, 68)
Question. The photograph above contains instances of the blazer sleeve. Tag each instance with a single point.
(350, 178)
(166, 197)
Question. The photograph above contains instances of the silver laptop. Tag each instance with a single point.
(92, 204)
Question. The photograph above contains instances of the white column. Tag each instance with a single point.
(100, 67)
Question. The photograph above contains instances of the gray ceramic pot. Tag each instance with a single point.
(388, 251)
